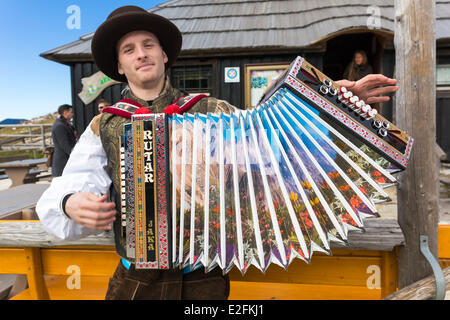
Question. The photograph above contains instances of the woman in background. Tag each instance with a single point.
(358, 68)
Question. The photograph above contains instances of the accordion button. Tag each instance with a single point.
(382, 132)
(333, 91)
(372, 113)
(365, 108)
(354, 99)
(385, 124)
(343, 89)
(358, 107)
(323, 89)
(346, 96)
(377, 124)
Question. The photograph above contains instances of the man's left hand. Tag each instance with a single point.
(372, 88)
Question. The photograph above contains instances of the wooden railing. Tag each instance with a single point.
(31, 138)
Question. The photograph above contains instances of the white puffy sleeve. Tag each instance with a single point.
(85, 171)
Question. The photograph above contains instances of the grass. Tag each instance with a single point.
(29, 153)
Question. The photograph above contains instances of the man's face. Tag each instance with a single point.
(102, 105)
(68, 114)
(141, 58)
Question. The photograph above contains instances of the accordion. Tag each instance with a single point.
(258, 186)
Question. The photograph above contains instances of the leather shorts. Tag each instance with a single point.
(132, 284)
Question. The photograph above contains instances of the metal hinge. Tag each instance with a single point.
(438, 273)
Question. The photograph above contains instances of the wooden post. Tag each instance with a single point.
(388, 272)
(35, 275)
(418, 194)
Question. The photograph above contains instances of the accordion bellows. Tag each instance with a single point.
(258, 186)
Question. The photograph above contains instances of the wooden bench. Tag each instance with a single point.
(3, 174)
(33, 175)
(20, 171)
(15, 200)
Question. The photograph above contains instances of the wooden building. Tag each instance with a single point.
(251, 35)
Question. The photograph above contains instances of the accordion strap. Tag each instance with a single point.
(127, 107)
(187, 103)
(124, 108)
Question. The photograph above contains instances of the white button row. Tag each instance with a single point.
(353, 102)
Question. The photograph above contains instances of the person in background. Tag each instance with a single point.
(103, 103)
(358, 68)
(64, 139)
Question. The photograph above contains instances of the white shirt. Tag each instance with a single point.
(85, 171)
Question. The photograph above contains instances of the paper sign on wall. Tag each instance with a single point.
(232, 74)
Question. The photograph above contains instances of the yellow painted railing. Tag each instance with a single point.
(83, 272)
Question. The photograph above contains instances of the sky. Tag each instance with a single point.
(31, 85)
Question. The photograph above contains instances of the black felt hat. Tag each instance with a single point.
(127, 19)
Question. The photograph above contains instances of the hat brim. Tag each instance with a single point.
(106, 37)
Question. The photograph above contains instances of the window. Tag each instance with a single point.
(443, 74)
(193, 79)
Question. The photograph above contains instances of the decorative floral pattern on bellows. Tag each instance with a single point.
(350, 123)
(162, 189)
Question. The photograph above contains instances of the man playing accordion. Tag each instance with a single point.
(138, 47)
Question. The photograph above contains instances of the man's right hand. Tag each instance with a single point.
(91, 211)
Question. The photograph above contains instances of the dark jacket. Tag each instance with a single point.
(360, 71)
(64, 139)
